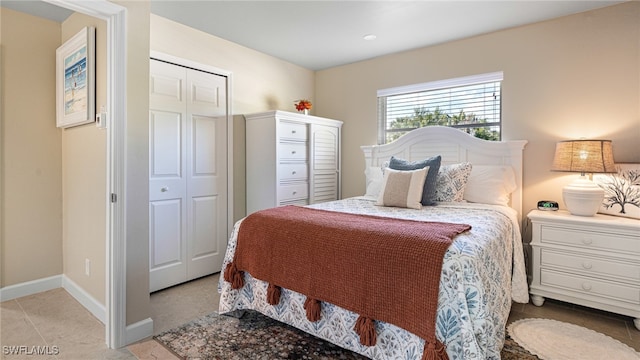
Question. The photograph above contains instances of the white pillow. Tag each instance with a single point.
(402, 188)
(490, 184)
(374, 178)
(451, 182)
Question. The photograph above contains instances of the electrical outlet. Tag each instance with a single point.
(87, 267)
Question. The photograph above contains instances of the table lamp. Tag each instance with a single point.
(583, 197)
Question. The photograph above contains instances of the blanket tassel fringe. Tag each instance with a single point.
(233, 276)
(367, 330)
(434, 351)
(313, 309)
(273, 294)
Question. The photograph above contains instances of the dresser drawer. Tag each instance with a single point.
(588, 265)
(300, 202)
(293, 192)
(590, 240)
(597, 288)
(292, 131)
(293, 151)
(293, 172)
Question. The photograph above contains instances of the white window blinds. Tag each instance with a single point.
(472, 104)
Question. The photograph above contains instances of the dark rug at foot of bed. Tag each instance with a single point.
(255, 336)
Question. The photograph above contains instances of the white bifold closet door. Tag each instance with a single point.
(187, 174)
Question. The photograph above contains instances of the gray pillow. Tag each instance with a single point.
(429, 190)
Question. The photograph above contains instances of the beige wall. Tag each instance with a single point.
(566, 78)
(137, 161)
(54, 192)
(32, 163)
(31, 158)
(260, 82)
(84, 197)
(572, 77)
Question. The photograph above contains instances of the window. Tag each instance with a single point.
(471, 104)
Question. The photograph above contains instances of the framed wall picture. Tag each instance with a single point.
(76, 79)
(621, 191)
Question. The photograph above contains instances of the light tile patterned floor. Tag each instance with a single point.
(54, 321)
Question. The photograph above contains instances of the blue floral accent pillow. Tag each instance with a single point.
(452, 180)
(429, 189)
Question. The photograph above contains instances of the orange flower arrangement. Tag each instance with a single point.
(303, 104)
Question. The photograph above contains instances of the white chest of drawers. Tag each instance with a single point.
(291, 159)
(590, 261)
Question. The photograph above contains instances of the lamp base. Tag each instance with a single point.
(582, 197)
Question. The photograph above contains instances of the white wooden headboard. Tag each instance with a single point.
(454, 146)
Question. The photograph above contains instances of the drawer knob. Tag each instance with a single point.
(293, 131)
(587, 265)
(295, 192)
(587, 241)
(293, 152)
(293, 172)
(586, 286)
(164, 189)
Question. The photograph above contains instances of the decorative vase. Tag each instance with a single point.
(306, 111)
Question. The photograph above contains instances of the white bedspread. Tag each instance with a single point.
(482, 272)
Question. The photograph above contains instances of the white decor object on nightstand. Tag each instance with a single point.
(589, 261)
(291, 159)
(583, 197)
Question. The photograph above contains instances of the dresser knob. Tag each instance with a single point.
(164, 189)
(586, 286)
(293, 152)
(293, 173)
(295, 192)
(587, 265)
(587, 241)
(293, 131)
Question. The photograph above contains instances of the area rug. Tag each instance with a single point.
(556, 340)
(255, 336)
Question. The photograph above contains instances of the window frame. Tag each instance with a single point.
(497, 76)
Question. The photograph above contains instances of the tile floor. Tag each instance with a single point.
(55, 321)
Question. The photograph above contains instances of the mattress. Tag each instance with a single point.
(483, 271)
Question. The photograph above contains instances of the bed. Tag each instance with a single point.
(483, 269)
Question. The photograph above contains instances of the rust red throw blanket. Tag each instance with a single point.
(380, 268)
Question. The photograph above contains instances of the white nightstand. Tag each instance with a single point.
(590, 261)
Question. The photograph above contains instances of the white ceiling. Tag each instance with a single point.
(322, 34)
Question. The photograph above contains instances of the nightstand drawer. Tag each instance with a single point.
(589, 239)
(587, 265)
(593, 287)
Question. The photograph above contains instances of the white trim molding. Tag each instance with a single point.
(139, 330)
(84, 298)
(56, 282)
(30, 287)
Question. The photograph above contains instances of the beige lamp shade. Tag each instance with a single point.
(584, 156)
(583, 197)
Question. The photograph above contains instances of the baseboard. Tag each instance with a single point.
(89, 302)
(134, 332)
(30, 287)
(138, 331)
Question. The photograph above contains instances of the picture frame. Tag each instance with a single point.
(621, 191)
(76, 79)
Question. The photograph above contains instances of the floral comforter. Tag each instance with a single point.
(482, 273)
